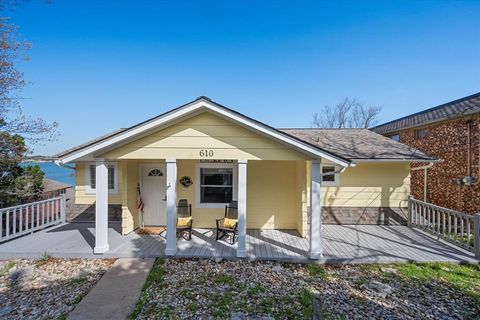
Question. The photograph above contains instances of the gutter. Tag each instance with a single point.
(61, 164)
(398, 160)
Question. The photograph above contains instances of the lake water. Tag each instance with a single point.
(54, 172)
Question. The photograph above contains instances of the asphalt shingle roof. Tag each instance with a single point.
(50, 185)
(453, 109)
(358, 144)
(349, 144)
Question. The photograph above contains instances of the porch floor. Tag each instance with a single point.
(341, 244)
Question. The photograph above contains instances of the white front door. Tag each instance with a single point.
(153, 195)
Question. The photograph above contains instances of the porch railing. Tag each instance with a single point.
(27, 218)
(454, 226)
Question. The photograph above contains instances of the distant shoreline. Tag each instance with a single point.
(38, 159)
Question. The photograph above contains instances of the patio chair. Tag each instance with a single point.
(184, 218)
(228, 224)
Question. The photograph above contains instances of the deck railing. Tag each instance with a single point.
(457, 227)
(27, 218)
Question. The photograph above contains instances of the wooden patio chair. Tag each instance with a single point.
(184, 218)
(228, 224)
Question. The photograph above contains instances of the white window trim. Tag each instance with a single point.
(233, 166)
(89, 190)
(336, 181)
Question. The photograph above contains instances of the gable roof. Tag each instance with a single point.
(452, 109)
(121, 136)
(359, 144)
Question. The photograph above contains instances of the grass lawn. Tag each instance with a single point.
(192, 289)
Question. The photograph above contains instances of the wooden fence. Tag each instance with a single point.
(457, 227)
(27, 218)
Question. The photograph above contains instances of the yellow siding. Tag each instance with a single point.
(370, 185)
(271, 195)
(302, 198)
(202, 217)
(130, 217)
(277, 192)
(277, 186)
(366, 185)
(185, 139)
(81, 197)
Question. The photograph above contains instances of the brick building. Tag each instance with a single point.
(450, 132)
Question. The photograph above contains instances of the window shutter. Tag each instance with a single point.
(92, 177)
(111, 177)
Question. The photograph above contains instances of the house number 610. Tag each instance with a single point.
(205, 153)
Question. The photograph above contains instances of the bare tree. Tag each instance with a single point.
(348, 113)
(17, 183)
(12, 118)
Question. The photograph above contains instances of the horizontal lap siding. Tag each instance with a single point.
(271, 195)
(81, 197)
(365, 194)
(272, 201)
(202, 217)
(185, 139)
(370, 185)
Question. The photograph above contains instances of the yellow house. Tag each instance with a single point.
(211, 155)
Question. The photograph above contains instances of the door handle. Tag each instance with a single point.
(164, 199)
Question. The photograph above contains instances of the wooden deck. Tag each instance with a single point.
(342, 244)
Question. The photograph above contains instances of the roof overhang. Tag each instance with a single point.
(420, 124)
(192, 108)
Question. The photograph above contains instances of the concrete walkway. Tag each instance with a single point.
(117, 292)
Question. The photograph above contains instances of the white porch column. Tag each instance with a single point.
(242, 208)
(101, 207)
(171, 190)
(315, 210)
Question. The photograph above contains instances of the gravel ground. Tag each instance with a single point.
(47, 288)
(205, 289)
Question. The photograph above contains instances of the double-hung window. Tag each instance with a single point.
(215, 185)
(91, 177)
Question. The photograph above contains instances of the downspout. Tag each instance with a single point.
(334, 172)
(425, 178)
(469, 145)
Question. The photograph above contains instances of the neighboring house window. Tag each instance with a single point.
(395, 137)
(421, 133)
(112, 178)
(330, 179)
(215, 185)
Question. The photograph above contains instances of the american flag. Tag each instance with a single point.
(140, 204)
